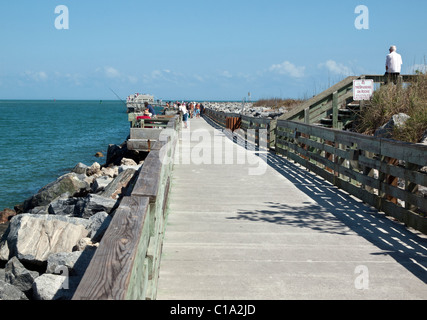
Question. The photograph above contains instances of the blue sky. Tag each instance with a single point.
(202, 50)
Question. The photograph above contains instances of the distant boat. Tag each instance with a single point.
(135, 102)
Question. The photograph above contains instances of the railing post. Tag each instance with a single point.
(335, 110)
(307, 116)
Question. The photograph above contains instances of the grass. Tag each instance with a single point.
(390, 100)
(277, 103)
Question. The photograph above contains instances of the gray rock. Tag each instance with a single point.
(32, 238)
(110, 172)
(54, 287)
(63, 206)
(40, 210)
(71, 183)
(95, 168)
(16, 274)
(94, 203)
(101, 183)
(128, 162)
(10, 292)
(116, 153)
(398, 120)
(424, 139)
(75, 262)
(80, 168)
(99, 223)
(125, 167)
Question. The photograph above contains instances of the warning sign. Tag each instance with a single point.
(363, 89)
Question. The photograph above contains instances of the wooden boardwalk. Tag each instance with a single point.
(266, 228)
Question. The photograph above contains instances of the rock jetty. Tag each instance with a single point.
(51, 237)
(246, 109)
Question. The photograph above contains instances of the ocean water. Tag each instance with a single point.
(42, 140)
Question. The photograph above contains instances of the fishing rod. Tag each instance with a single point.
(118, 97)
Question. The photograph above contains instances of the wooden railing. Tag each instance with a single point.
(383, 173)
(328, 102)
(126, 264)
(244, 125)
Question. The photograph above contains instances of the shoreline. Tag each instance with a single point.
(62, 225)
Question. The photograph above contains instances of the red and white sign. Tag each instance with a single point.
(363, 89)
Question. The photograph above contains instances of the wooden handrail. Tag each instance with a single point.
(323, 103)
(126, 264)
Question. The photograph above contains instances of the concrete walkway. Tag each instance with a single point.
(248, 231)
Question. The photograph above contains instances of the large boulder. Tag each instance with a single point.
(10, 292)
(80, 168)
(93, 204)
(397, 121)
(116, 153)
(39, 210)
(70, 263)
(54, 287)
(99, 223)
(111, 172)
(71, 183)
(16, 274)
(32, 238)
(94, 169)
(64, 206)
(101, 183)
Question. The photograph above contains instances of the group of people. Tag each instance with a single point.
(189, 110)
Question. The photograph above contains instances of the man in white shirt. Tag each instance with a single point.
(393, 65)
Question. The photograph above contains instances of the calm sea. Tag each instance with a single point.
(42, 140)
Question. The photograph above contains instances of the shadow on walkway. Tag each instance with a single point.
(390, 237)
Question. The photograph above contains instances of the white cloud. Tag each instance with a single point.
(111, 72)
(132, 79)
(336, 68)
(36, 76)
(226, 74)
(288, 68)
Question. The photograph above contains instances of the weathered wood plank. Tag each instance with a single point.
(411, 175)
(148, 181)
(413, 153)
(109, 273)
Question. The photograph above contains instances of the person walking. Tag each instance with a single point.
(184, 111)
(393, 65)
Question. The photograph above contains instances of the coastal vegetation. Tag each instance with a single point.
(277, 103)
(390, 100)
